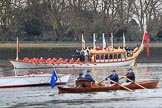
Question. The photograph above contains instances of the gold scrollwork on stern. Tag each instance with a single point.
(110, 49)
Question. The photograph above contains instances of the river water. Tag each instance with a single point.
(45, 97)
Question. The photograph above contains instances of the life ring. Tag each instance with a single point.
(110, 49)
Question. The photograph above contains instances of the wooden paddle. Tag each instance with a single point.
(121, 85)
(121, 77)
(136, 83)
(99, 83)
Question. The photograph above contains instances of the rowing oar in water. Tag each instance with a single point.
(135, 83)
(121, 85)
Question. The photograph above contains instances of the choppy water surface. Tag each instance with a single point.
(45, 97)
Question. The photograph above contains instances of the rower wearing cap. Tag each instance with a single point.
(80, 77)
(88, 76)
(130, 74)
(113, 76)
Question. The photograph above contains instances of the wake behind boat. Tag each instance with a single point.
(86, 58)
(31, 80)
(95, 87)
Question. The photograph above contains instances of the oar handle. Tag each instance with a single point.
(121, 77)
(136, 83)
(121, 85)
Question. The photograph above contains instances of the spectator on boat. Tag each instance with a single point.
(88, 76)
(82, 57)
(77, 54)
(113, 76)
(86, 54)
(130, 74)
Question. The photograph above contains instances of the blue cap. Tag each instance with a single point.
(113, 70)
(130, 69)
(81, 73)
(88, 70)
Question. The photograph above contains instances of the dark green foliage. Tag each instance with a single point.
(159, 34)
(41, 20)
(33, 27)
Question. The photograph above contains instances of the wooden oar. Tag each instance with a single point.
(136, 83)
(121, 77)
(101, 81)
(121, 85)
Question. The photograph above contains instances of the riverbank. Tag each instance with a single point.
(66, 44)
(10, 53)
(67, 49)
